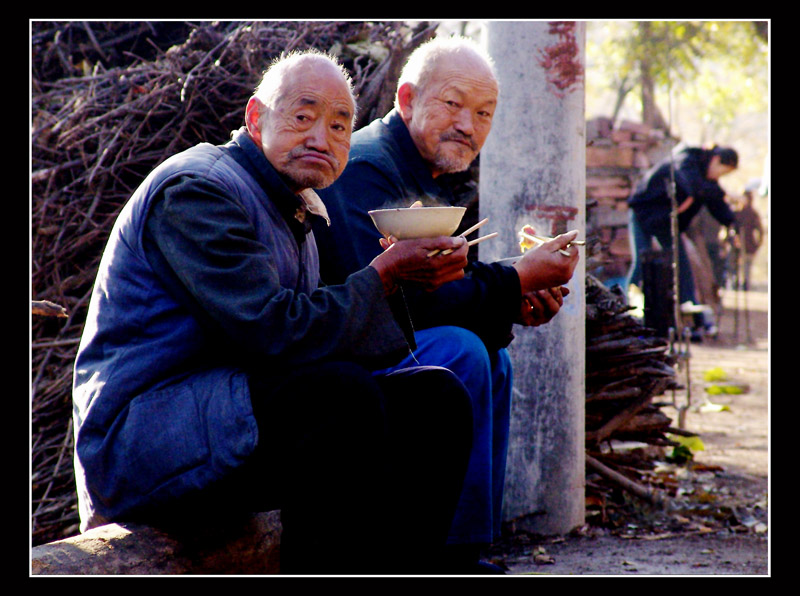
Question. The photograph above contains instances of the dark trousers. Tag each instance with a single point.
(366, 470)
(641, 241)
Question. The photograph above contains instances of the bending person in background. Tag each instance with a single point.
(697, 172)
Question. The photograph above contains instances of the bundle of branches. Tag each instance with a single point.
(96, 136)
(627, 365)
(61, 49)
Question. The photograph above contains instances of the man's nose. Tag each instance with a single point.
(464, 122)
(318, 137)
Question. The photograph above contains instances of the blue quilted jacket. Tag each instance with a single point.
(158, 411)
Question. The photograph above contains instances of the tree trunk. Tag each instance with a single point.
(651, 115)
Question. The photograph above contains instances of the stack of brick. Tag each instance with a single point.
(616, 159)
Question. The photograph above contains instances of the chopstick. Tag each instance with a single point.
(475, 227)
(477, 240)
(467, 232)
(540, 240)
(447, 251)
(543, 239)
(547, 239)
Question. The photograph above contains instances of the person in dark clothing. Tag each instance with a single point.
(216, 375)
(446, 96)
(696, 177)
(750, 238)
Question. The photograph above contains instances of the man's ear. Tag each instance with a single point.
(251, 117)
(406, 94)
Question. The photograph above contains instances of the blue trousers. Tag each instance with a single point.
(488, 377)
(640, 241)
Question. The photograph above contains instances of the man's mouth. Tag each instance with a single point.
(461, 140)
(316, 158)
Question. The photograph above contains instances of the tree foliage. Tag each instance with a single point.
(721, 63)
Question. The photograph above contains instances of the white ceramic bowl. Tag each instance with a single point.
(418, 222)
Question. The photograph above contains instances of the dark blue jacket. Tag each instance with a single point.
(651, 201)
(161, 404)
(386, 170)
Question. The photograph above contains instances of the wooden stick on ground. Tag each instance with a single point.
(50, 309)
(626, 483)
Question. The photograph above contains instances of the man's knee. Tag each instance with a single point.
(455, 348)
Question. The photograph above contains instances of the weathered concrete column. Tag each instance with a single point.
(533, 172)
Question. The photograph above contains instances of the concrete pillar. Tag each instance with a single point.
(533, 171)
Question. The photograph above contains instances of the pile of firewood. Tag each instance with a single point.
(627, 366)
(110, 101)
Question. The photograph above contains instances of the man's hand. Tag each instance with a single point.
(540, 306)
(407, 260)
(545, 266)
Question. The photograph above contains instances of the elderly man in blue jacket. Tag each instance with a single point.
(446, 97)
(216, 375)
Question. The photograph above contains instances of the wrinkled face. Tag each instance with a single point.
(451, 117)
(305, 134)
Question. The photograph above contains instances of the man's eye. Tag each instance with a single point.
(304, 117)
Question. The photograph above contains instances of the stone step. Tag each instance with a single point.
(251, 547)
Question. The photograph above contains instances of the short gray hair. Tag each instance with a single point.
(269, 89)
(422, 61)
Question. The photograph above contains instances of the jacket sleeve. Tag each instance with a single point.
(715, 202)
(209, 255)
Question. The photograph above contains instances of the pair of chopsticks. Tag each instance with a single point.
(543, 239)
(466, 233)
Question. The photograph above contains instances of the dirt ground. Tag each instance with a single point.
(717, 520)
